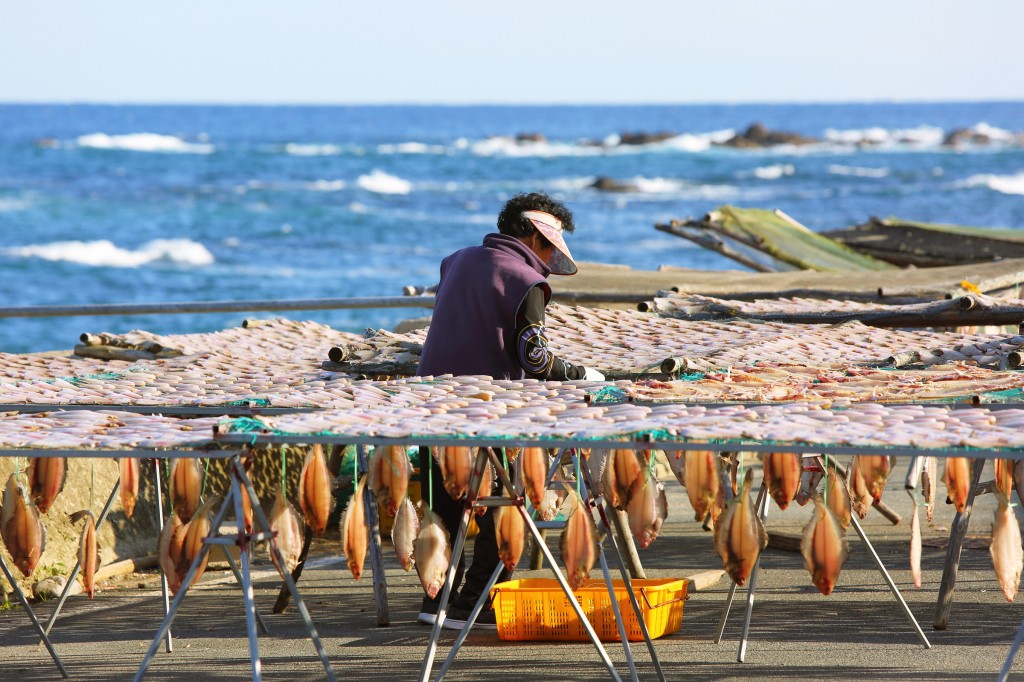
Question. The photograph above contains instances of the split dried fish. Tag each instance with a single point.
(88, 554)
(129, 471)
(355, 532)
(432, 553)
(316, 497)
(860, 496)
(1006, 551)
(739, 534)
(46, 478)
(824, 547)
(403, 533)
(510, 534)
(578, 543)
(782, 476)
(169, 552)
(647, 509)
(875, 471)
(389, 476)
(915, 542)
(535, 473)
(838, 499)
(958, 480)
(287, 524)
(456, 467)
(199, 527)
(21, 528)
(186, 482)
(929, 477)
(703, 481)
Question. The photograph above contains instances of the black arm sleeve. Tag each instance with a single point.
(531, 343)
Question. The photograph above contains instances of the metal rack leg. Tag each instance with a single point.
(32, 617)
(78, 565)
(1004, 673)
(761, 495)
(160, 524)
(763, 512)
(248, 597)
(435, 631)
(477, 608)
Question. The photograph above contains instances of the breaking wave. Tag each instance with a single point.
(412, 148)
(382, 183)
(144, 142)
(928, 136)
(312, 149)
(1006, 184)
(857, 171)
(103, 253)
(773, 172)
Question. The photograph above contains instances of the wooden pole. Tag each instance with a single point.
(956, 545)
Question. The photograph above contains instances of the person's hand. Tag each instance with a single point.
(592, 374)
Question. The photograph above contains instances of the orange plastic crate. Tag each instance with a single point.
(537, 609)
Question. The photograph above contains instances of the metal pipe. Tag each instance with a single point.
(193, 307)
(744, 635)
(477, 608)
(32, 617)
(160, 524)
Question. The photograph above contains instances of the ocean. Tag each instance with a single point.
(133, 204)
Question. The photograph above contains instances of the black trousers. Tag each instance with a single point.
(485, 548)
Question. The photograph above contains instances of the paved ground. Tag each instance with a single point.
(857, 633)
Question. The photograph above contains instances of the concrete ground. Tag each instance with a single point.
(859, 632)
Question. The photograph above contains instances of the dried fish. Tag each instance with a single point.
(355, 532)
(703, 481)
(46, 478)
(169, 551)
(510, 534)
(915, 543)
(782, 476)
(88, 556)
(808, 484)
(677, 462)
(929, 475)
(739, 534)
(1006, 551)
(535, 472)
(456, 467)
(958, 480)
(403, 533)
(315, 495)
(432, 553)
(186, 483)
(860, 497)
(824, 547)
(389, 476)
(875, 471)
(647, 509)
(21, 529)
(129, 471)
(1004, 476)
(838, 499)
(199, 527)
(286, 523)
(578, 543)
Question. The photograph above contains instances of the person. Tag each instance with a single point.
(489, 320)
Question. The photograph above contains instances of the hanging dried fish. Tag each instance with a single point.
(389, 476)
(838, 499)
(875, 471)
(484, 489)
(355, 532)
(782, 476)
(677, 462)
(316, 497)
(432, 554)
(739, 534)
(403, 533)
(621, 473)
(88, 554)
(958, 480)
(1006, 551)
(915, 542)
(597, 462)
(929, 477)
(129, 470)
(703, 481)
(647, 509)
(46, 478)
(510, 534)
(169, 551)
(287, 524)
(824, 547)
(860, 497)
(21, 528)
(186, 482)
(456, 467)
(199, 527)
(548, 509)
(808, 484)
(1004, 476)
(578, 543)
(535, 474)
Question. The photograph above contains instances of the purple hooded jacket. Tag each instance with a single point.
(474, 322)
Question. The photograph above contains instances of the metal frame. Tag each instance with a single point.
(32, 616)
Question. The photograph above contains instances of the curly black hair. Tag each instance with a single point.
(512, 222)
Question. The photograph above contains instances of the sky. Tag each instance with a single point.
(526, 51)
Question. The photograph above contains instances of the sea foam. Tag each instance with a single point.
(857, 171)
(773, 172)
(926, 136)
(382, 183)
(312, 149)
(144, 142)
(1006, 184)
(103, 253)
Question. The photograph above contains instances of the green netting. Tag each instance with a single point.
(248, 402)
(791, 242)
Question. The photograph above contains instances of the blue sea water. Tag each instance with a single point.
(120, 204)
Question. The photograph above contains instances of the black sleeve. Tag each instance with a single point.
(531, 343)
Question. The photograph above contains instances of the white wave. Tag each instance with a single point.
(103, 253)
(382, 183)
(569, 184)
(993, 133)
(509, 146)
(858, 171)
(657, 185)
(773, 172)
(699, 142)
(920, 136)
(11, 204)
(325, 185)
(412, 148)
(1006, 184)
(143, 142)
(312, 149)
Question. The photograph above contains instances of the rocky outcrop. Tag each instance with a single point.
(631, 138)
(606, 184)
(530, 137)
(965, 136)
(758, 135)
